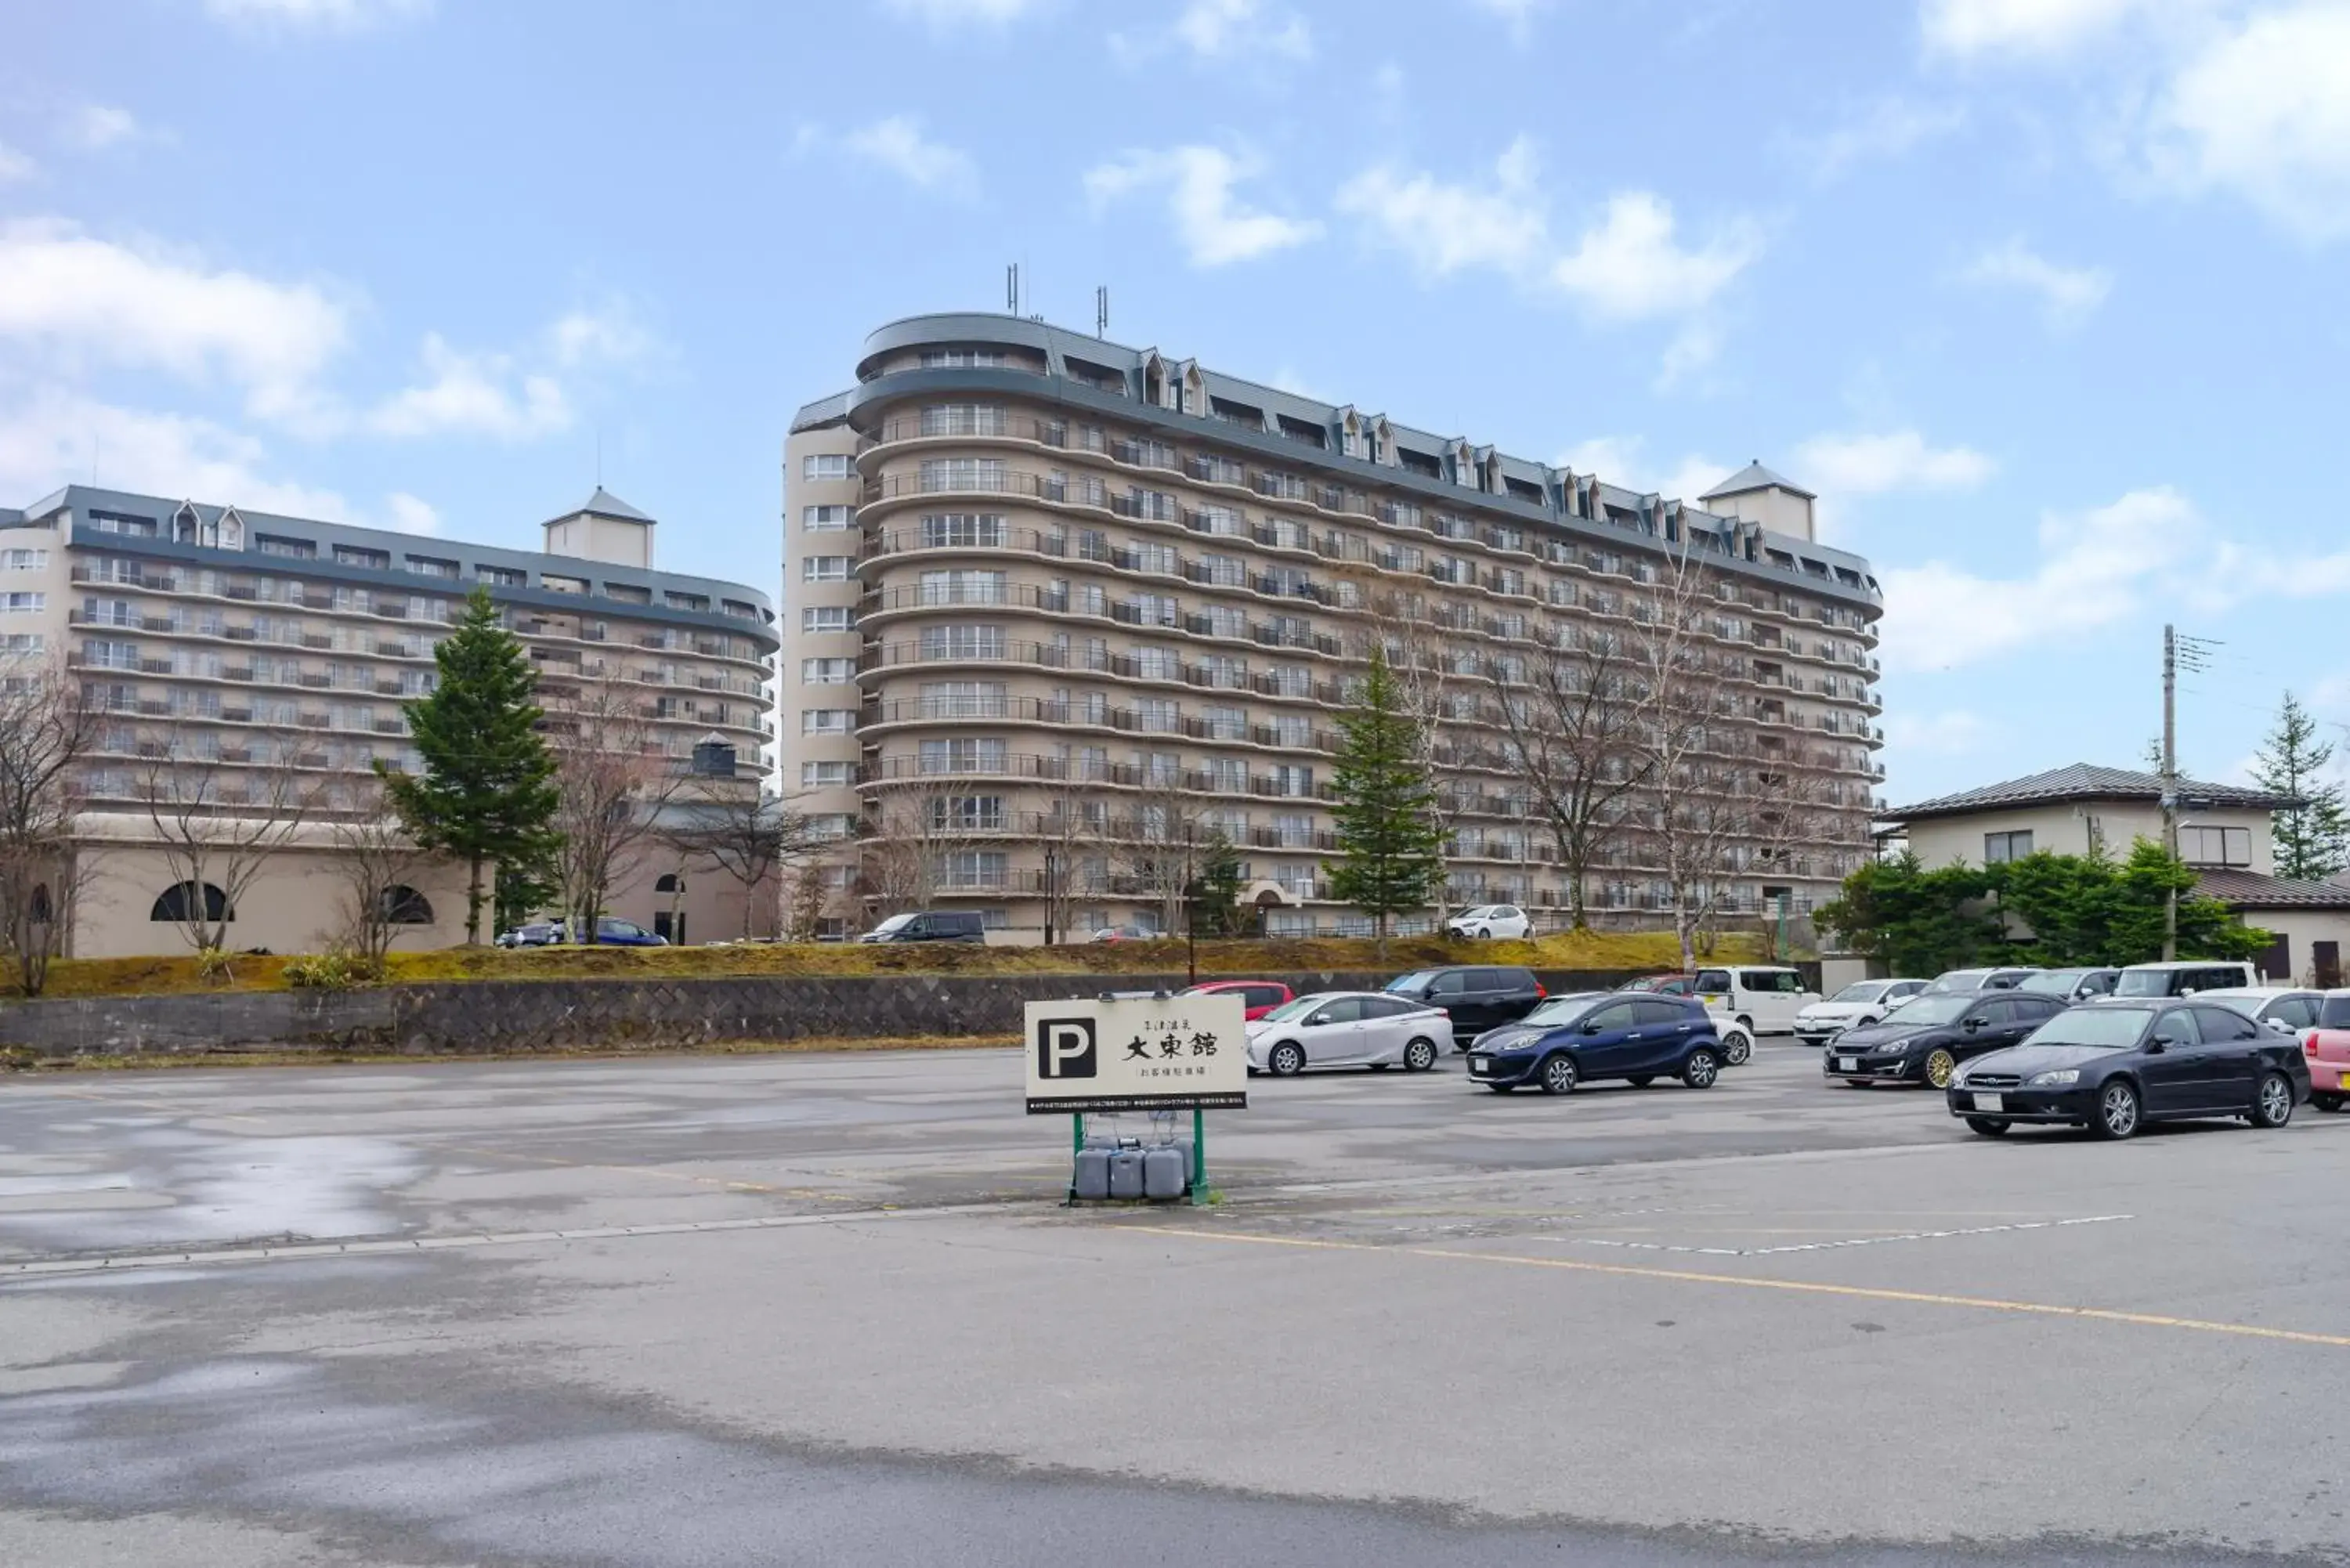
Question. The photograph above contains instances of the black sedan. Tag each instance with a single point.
(2114, 1065)
(1926, 1040)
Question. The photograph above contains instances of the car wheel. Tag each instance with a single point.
(1483, 933)
(1940, 1066)
(1701, 1069)
(2273, 1106)
(2118, 1110)
(1419, 1056)
(1989, 1127)
(1286, 1060)
(1558, 1076)
(2327, 1102)
(1641, 1080)
(1739, 1049)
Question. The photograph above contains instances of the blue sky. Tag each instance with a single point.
(2045, 298)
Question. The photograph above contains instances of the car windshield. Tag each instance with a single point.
(1561, 1009)
(1290, 1011)
(1958, 980)
(2142, 982)
(1859, 991)
(2114, 1027)
(1480, 912)
(2053, 982)
(1411, 984)
(1936, 1009)
(895, 923)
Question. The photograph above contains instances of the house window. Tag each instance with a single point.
(2216, 846)
(2001, 848)
(825, 465)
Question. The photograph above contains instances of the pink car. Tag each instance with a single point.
(1258, 996)
(2327, 1047)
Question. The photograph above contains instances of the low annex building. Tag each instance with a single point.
(2224, 833)
(240, 655)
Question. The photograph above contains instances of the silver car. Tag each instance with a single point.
(1347, 1029)
(1857, 1005)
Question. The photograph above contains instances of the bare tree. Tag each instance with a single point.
(1073, 829)
(376, 863)
(1572, 730)
(745, 834)
(908, 829)
(46, 728)
(1160, 843)
(219, 819)
(614, 780)
(808, 896)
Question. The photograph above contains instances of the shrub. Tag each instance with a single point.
(336, 969)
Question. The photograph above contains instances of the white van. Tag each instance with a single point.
(1763, 997)
(2185, 978)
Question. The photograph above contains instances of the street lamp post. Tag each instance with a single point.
(1052, 890)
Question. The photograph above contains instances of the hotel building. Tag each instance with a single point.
(1041, 591)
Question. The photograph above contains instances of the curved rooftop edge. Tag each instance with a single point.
(1102, 378)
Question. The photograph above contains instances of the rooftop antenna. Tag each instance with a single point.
(1012, 289)
(1101, 310)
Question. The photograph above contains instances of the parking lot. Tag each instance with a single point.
(825, 1309)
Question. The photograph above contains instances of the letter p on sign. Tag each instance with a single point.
(1065, 1048)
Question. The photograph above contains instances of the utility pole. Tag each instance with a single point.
(2170, 784)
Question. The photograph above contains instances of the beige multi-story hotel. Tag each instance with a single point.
(1045, 595)
(240, 656)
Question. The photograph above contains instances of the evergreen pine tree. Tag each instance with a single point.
(1390, 846)
(486, 793)
(2313, 839)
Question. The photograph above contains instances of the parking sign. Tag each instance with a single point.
(1164, 1054)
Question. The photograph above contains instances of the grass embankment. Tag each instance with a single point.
(1642, 950)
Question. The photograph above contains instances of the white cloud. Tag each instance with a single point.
(2068, 294)
(326, 15)
(410, 515)
(15, 165)
(2043, 28)
(897, 144)
(98, 126)
(1896, 460)
(49, 436)
(1619, 460)
(83, 298)
(474, 394)
(1517, 16)
(944, 14)
(2265, 112)
(1694, 347)
(607, 334)
(1885, 131)
(1216, 29)
(1214, 225)
(1626, 267)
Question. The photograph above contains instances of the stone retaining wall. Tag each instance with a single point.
(520, 1016)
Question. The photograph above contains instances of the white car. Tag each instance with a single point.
(1506, 921)
(1737, 1040)
(1347, 1029)
(1863, 1002)
(1763, 997)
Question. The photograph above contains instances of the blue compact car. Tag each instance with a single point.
(1576, 1040)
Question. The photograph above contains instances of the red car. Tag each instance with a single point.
(1665, 984)
(2327, 1047)
(1258, 996)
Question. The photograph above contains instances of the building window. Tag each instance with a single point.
(502, 576)
(828, 617)
(962, 473)
(559, 584)
(432, 567)
(23, 560)
(964, 419)
(355, 555)
(827, 671)
(967, 813)
(404, 906)
(825, 465)
(827, 720)
(960, 530)
(826, 519)
(179, 902)
(22, 603)
(278, 544)
(827, 776)
(2216, 846)
(697, 602)
(123, 522)
(961, 756)
(962, 642)
(826, 569)
(963, 359)
(2001, 847)
(972, 868)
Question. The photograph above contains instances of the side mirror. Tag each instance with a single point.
(1971, 1025)
(1317, 1018)
(1591, 1028)
(2158, 1044)
(2279, 1024)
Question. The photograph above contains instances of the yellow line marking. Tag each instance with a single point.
(1806, 1287)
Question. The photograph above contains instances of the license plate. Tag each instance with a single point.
(1847, 1064)
(1983, 1102)
(1479, 1067)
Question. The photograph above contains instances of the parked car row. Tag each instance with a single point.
(610, 932)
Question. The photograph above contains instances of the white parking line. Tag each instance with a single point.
(1847, 1241)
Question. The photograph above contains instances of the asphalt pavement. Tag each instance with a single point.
(825, 1309)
